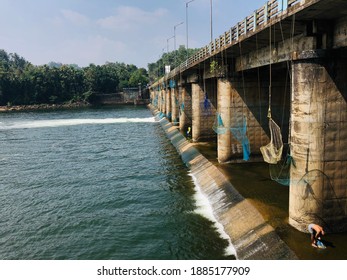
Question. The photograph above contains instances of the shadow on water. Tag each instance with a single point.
(253, 182)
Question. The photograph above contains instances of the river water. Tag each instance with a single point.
(102, 183)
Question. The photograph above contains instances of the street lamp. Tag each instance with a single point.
(162, 60)
(187, 3)
(175, 38)
(167, 43)
(211, 21)
(167, 67)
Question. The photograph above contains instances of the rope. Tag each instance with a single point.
(243, 79)
(270, 82)
(258, 74)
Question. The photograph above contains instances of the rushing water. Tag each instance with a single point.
(97, 184)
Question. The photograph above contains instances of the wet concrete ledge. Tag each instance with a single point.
(250, 235)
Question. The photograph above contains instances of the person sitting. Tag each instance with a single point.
(316, 232)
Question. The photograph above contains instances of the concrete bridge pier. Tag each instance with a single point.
(168, 103)
(174, 104)
(203, 111)
(242, 112)
(224, 92)
(181, 97)
(162, 101)
(157, 97)
(152, 95)
(318, 192)
(158, 93)
(185, 103)
(197, 98)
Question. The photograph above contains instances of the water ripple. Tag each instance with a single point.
(97, 184)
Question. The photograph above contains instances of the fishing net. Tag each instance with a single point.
(314, 188)
(181, 108)
(240, 134)
(206, 107)
(218, 125)
(172, 83)
(155, 101)
(176, 101)
(161, 115)
(280, 171)
(272, 152)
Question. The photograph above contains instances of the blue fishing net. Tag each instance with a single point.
(240, 134)
(218, 125)
(172, 83)
(181, 108)
(155, 101)
(206, 106)
(280, 171)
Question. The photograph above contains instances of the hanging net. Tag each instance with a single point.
(218, 125)
(272, 152)
(155, 101)
(176, 101)
(280, 171)
(161, 115)
(240, 134)
(172, 83)
(206, 107)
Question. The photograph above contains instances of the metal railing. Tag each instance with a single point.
(272, 9)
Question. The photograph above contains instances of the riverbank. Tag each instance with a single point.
(251, 236)
(35, 107)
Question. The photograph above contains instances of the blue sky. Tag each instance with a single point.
(97, 31)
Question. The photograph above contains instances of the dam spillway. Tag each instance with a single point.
(277, 75)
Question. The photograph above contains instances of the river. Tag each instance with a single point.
(98, 183)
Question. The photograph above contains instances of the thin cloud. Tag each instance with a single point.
(127, 18)
(75, 17)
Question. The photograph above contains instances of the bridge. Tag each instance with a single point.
(273, 88)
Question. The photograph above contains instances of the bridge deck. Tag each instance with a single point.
(286, 18)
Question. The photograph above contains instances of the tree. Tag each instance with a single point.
(174, 59)
(23, 83)
(139, 76)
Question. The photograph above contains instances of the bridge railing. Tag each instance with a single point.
(260, 17)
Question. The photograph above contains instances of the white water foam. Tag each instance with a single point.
(204, 208)
(70, 122)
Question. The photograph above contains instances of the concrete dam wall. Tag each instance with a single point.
(250, 235)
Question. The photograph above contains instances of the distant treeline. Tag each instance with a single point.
(22, 83)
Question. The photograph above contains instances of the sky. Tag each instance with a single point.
(98, 31)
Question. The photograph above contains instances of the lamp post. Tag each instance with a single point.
(163, 65)
(169, 60)
(167, 43)
(187, 3)
(175, 38)
(211, 22)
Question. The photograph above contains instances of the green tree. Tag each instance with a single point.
(23, 83)
(137, 77)
(174, 59)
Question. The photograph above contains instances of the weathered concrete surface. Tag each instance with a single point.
(250, 235)
(174, 104)
(203, 115)
(224, 103)
(318, 191)
(168, 102)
